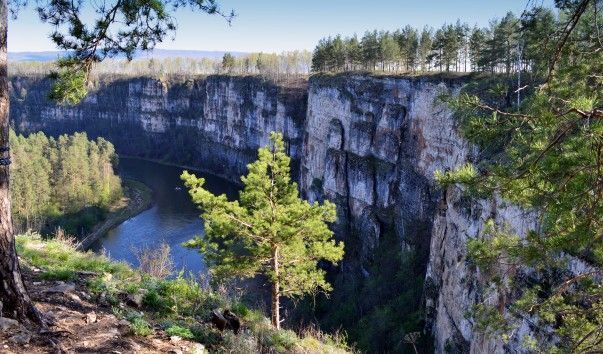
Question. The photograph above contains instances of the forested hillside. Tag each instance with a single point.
(68, 181)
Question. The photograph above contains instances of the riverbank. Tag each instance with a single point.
(137, 198)
(189, 168)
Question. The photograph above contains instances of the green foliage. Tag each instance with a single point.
(543, 155)
(67, 182)
(270, 230)
(495, 48)
(182, 332)
(69, 85)
(181, 305)
(180, 296)
(465, 174)
(139, 326)
(228, 62)
(57, 257)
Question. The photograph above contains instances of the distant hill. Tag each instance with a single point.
(157, 54)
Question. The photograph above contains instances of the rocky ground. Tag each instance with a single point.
(79, 325)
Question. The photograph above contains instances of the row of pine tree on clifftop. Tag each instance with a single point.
(507, 45)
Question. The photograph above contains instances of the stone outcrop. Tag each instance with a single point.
(371, 145)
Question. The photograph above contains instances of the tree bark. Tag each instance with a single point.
(276, 292)
(14, 300)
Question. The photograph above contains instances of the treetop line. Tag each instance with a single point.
(507, 45)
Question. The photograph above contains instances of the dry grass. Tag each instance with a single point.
(155, 262)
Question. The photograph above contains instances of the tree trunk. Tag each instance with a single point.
(14, 300)
(276, 292)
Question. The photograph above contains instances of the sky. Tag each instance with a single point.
(282, 25)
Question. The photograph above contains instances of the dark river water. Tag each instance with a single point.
(173, 218)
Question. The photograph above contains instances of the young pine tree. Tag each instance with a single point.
(269, 230)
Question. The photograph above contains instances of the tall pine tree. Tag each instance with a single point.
(269, 231)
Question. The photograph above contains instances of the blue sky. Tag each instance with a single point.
(278, 25)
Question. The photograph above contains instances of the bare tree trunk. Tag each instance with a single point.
(14, 300)
(276, 292)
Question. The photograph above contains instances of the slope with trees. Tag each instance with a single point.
(69, 176)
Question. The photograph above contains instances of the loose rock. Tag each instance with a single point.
(62, 288)
(21, 338)
(74, 298)
(134, 300)
(124, 327)
(8, 324)
(198, 348)
(91, 317)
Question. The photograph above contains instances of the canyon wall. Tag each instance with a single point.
(369, 144)
(214, 123)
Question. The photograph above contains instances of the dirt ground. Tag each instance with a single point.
(79, 325)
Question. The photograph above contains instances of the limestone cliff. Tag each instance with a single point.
(371, 145)
(215, 123)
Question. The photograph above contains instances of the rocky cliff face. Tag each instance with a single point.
(215, 123)
(371, 145)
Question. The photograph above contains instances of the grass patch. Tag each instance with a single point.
(182, 332)
(182, 305)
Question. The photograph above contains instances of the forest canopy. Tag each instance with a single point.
(52, 178)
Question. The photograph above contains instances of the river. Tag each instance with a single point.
(173, 218)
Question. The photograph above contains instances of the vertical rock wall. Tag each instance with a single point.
(214, 123)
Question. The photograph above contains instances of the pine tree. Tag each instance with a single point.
(389, 51)
(370, 49)
(353, 52)
(425, 45)
(408, 41)
(269, 231)
(477, 44)
(538, 27)
(228, 63)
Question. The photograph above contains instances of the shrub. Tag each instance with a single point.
(156, 262)
(182, 332)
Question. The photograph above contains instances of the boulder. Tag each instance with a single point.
(61, 288)
(91, 317)
(218, 320)
(234, 322)
(198, 348)
(21, 338)
(8, 324)
(124, 327)
(226, 320)
(135, 300)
